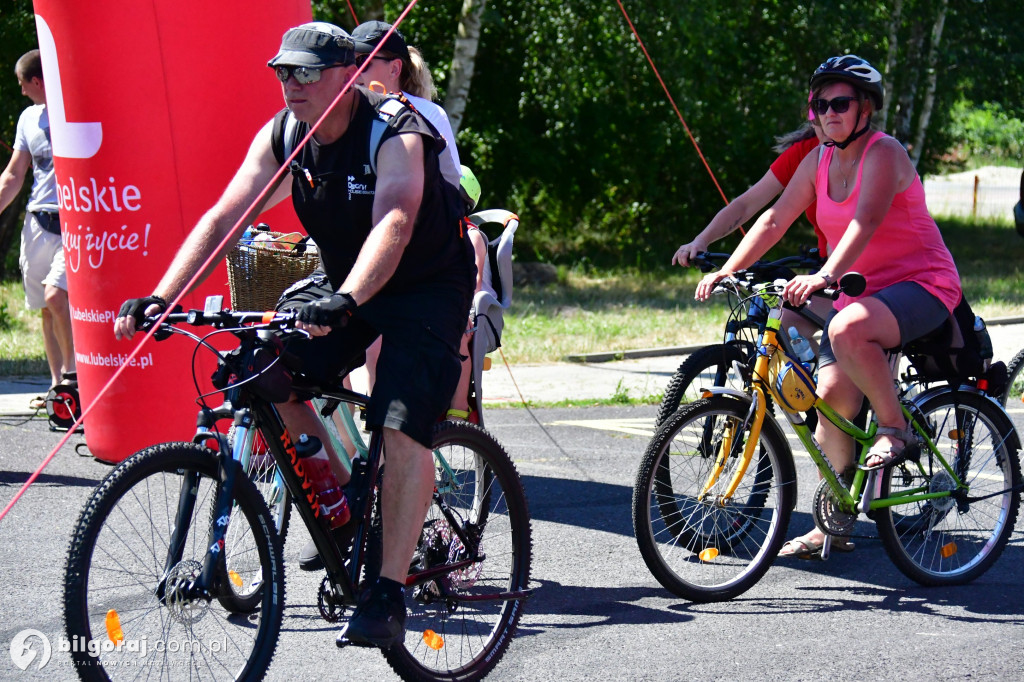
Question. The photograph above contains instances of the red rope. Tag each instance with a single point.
(353, 12)
(258, 201)
(673, 102)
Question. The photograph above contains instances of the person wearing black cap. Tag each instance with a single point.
(401, 68)
(398, 267)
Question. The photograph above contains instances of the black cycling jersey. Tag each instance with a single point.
(333, 189)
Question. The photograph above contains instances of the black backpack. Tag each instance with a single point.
(959, 350)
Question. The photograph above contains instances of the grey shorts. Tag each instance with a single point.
(917, 312)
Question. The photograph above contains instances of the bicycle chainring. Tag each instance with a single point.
(331, 606)
(827, 514)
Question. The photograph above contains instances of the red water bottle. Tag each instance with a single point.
(317, 466)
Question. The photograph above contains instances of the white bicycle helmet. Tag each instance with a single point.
(854, 70)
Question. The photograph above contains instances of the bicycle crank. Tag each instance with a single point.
(827, 515)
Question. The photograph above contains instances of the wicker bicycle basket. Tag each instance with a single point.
(257, 276)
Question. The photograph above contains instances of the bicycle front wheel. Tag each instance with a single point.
(459, 625)
(711, 366)
(699, 544)
(138, 545)
(953, 540)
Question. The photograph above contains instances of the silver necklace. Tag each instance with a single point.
(840, 164)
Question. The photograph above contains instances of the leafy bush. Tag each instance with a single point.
(988, 132)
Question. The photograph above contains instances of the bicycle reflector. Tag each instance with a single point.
(795, 388)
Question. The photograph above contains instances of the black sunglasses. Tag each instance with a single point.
(304, 75)
(840, 105)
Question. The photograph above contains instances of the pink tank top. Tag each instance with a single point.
(906, 247)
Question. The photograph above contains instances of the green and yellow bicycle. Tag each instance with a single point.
(717, 484)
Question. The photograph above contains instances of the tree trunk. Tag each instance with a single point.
(930, 82)
(463, 61)
(890, 61)
(908, 94)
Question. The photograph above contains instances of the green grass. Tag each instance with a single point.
(623, 310)
(21, 334)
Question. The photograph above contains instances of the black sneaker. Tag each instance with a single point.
(378, 621)
(309, 558)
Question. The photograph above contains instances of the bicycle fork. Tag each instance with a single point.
(730, 440)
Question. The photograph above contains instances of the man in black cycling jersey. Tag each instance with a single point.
(398, 268)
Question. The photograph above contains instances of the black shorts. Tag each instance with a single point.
(419, 363)
(917, 312)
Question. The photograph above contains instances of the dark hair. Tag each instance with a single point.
(29, 66)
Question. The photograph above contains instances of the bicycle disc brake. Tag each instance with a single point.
(827, 514)
(183, 607)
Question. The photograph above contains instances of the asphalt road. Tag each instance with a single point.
(597, 613)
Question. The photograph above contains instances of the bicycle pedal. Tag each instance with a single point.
(342, 641)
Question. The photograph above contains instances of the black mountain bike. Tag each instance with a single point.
(175, 568)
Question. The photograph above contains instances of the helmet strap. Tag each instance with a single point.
(846, 143)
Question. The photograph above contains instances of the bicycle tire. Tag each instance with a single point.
(117, 560)
(946, 541)
(481, 485)
(703, 550)
(1014, 391)
(707, 367)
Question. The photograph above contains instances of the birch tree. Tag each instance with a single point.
(463, 61)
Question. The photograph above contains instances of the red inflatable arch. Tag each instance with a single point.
(152, 107)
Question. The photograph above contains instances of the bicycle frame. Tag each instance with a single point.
(761, 388)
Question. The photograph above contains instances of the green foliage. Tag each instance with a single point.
(988, 131)
(17, 36)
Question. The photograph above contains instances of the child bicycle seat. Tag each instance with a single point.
(495, 295)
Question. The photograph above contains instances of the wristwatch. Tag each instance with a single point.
(830, 281)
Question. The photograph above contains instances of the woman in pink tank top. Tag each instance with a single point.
(870, 205)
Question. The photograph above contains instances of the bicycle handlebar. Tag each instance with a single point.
(808, 259)
(224, 319)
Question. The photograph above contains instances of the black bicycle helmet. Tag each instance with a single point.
(854, 70)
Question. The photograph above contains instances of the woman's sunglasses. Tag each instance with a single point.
(840, 105)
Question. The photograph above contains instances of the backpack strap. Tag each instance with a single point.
(284, 135)
(386, 110)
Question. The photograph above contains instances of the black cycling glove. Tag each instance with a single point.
(136, 307)
(333, 311)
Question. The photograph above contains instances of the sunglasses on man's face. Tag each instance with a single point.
(304, 75)
(840, 105)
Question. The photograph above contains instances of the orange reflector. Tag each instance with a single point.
(948, 550)
(433, 640)
(956, 434)
(113, 623)
(487, 363)
(709, 554)
(236, 579)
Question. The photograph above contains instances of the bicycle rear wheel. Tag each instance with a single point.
(710, 366)
(953, 540)
(257, 461)
(448, 635)
(1014, 391)
(700, 546)
(123, 580)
